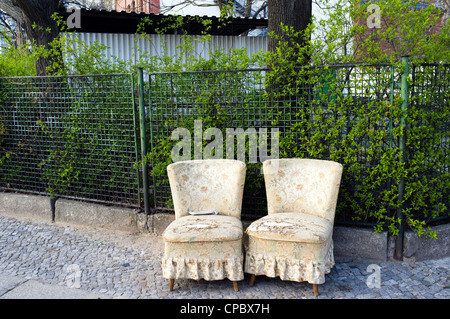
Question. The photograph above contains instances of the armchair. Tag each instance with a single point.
(205, 240)
(294, 241)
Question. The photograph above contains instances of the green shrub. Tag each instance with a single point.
(16, 62)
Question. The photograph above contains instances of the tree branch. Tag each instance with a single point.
(12, 10)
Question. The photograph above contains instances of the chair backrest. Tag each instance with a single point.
(202, 185)
(302, 185)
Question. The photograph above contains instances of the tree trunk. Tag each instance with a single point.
(292, 13)
(289, 93)
(35, 16)
(41, 28)
(43, 37)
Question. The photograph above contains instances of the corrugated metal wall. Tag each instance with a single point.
(129, 46)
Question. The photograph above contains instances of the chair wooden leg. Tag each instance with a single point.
(252, 280)
(316, 290)
(171, 283)
(235, 286)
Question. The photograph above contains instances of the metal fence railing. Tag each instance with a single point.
(82, 137)
(72, 136)
(246, 99)
(220, 99)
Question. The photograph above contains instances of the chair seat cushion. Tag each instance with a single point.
(296, 227)
(204, 228)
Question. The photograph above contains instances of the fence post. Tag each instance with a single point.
(136, 141)
(398, 253)
(150, 105)
(391, 100)
(143, 141)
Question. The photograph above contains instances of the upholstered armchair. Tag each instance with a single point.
(294, 241)
(205, 240)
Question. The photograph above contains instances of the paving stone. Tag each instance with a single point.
(129, 266)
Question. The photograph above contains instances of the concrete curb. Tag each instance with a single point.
(423, 248)
(95, 215)
(360, 243)
(26, 206)
(38, 208)
(349, 242)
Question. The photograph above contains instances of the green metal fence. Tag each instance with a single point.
(71, 137)
(430, 92)
(247, 99)
(342, 97)
(221, 99)
(82, 137)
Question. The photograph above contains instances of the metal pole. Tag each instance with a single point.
(136, 143)
(391, 100)
(151, 135)
(398, 253)
(143, 140)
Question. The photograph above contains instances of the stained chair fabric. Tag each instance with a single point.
(294, 241)
(205, 240)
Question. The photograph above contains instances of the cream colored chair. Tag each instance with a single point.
(294, 241)
(205, 240)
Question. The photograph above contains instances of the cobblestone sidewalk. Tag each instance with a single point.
(128, 266)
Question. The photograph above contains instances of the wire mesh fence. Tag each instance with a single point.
(217, 99)
(70, 137)
(348, 113)
(252, 101)
(430, 97)
(77, 137)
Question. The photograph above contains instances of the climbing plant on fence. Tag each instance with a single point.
(69, 136)
(353, 114)
(186, 107)
(76, 137)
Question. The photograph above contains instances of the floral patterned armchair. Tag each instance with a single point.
(294, 241)
(205, 240)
